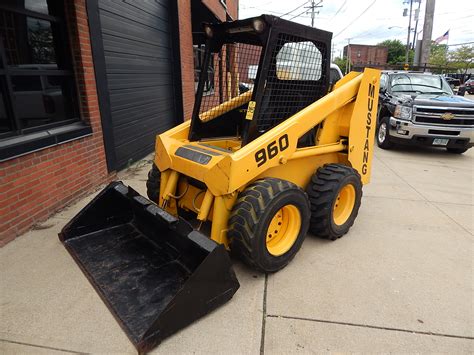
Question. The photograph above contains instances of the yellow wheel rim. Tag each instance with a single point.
(344, 204)
(283, 230)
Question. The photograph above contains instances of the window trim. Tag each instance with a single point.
(22, 141)
(17, 146)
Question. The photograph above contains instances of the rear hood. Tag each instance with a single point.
(443, 100)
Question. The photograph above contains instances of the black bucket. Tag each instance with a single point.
(154, 272)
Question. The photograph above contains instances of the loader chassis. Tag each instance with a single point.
(270, 153)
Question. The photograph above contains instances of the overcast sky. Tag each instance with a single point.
(368, 21)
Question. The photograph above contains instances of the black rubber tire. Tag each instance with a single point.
(385, 144)
(250, 218)
(457, 150)
(323, 190)
(153, 183)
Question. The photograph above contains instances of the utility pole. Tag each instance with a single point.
(313, 8)
(417, 16)
(408, 34)
(427, 32)
(348, 56)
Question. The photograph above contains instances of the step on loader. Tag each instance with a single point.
(272, 150)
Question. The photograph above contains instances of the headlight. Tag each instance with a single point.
(402, 112)
(208, 31)
(258, 25)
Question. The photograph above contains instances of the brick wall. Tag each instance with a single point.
(186, 44)
(365, 54)
(187, 59)
(36, 185)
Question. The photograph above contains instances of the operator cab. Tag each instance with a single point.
(263, 70)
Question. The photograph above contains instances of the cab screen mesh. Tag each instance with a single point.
(296, 78)
(230, 79)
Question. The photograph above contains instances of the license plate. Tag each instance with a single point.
(440, 141)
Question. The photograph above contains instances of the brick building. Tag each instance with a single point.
(362, 54)
(85, 87)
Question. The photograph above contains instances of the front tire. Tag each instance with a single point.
(153, 183)
(335, 193)
(382, 133)
(268, 224)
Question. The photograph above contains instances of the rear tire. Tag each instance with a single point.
(382, 134)
(268, 224)
(457, 150)
(335, 193)
(153, 183)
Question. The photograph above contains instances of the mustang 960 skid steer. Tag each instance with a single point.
(271, 151)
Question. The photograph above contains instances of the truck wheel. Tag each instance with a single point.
(382, 135)
(153, 183)
(457, 150)
(268, 224)
(334, 191)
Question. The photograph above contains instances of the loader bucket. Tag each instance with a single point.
(154, 272)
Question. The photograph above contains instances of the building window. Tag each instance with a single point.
(38, 90)
(199, 51)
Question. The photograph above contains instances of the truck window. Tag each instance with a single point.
(333, 76)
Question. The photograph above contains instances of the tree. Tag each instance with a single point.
(462, 58)
(396, 50)
(438, 55)
(341, 63)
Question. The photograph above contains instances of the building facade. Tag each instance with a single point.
(85, 87)
(365, 55)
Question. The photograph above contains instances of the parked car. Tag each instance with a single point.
(453, 82)
(469, 86)
(421, 109)
(334, 74)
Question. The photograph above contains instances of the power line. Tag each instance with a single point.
(299, 7)
(339, 10)
(305, 11)
(350, 23)
(459, 44)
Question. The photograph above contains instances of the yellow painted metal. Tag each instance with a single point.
(192, 197)
(228, 172)
(226, 107)
(344, 204)
(222, 208)
(299, 171)
(171, 184)
(205, 206)
(362, 125)
(283, 230)
(169, 204)
(341, 118)
(318, 150)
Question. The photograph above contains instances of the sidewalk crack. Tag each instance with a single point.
(264, 316)
(360, 325)
(42, 346)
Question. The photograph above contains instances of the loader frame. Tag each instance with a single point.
(223, 167)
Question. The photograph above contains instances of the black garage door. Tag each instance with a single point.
(135, 74)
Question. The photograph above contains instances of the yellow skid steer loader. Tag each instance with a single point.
(272, 150)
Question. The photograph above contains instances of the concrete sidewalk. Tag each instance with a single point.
(400, 281)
